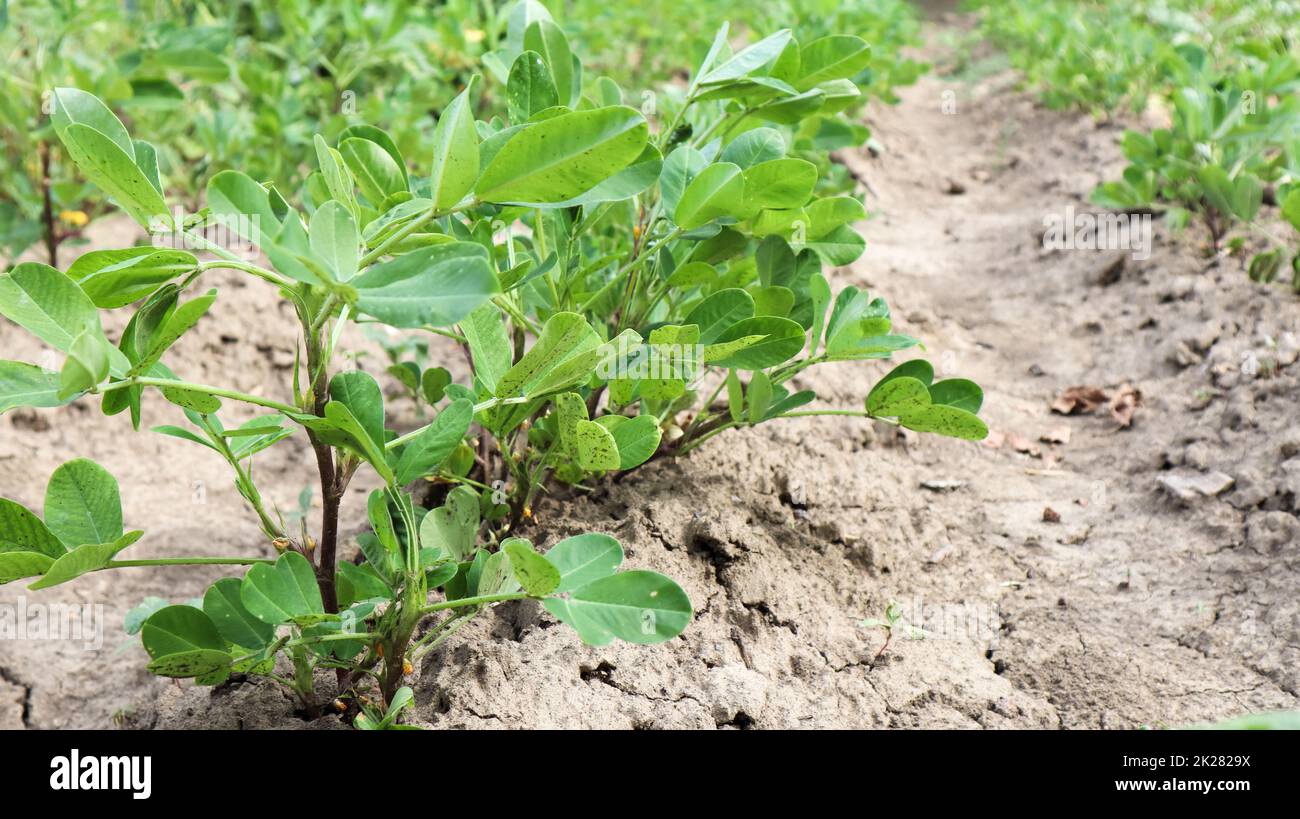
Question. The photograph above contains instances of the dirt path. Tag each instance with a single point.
(1134, 609)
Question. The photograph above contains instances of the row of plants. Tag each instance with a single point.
(249, 84)
(623, 294)
(1226, 76)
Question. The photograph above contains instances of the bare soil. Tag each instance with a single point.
(1060, 576)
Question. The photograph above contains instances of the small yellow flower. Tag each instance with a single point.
(407, 668)
(76, 218)
(280, 544)
(473, 35)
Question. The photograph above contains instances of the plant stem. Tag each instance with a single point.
(332, 483)
(811, 413)
(219, 392)
(473, 601)
(246, 267)
(488, 404)
(47, 206)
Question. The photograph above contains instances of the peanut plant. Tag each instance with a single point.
(608, 284)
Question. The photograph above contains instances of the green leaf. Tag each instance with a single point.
(716, 191)
(945, 420)
(25, 385)
(88, 558)
(679, 170)
(735, 397)
(101, 148)
(719, 312)
(1291, 208)
(244, 207)
(381, 520)
(83, 504)
(773, 301)
(200, 402)
(759, 397)
(898, 396)
(535, 573)
(917, 368)
(370, 133)
(958, 392)
(637, 606)
(570, 408)
(435, 444)
(596, 446)
(584, 559)
(116, 278)
(178, 323)
(433, 384)
(784, 339)
(48, 304)
(201, 663)
(491, 574)
(20, 565)
(223, 604)
(453, 527)
(547, 39)
(854, 318)
(489, 345)
(175, 629)
(819, 293)
(340, 418)
(635, 178)
(839, 247)
(137, 615)
(564, 156)
(455, 165)
(749, 59)
(754, 147)
(636, 439)
(576, 369)
(826, 215)
(335, 240)
(282, 593)
(22, 531)
(72, 105)
(779, 183)
(839, 56)
(376, 171)
(433, 286)
(338, 179)
(183, 642)
(87, 364)
(565, 336)
(530, 88)
(360, 393)
(693, 274)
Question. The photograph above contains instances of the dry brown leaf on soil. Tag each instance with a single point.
(1022, 444)
(1125, 404)
(1056, 435)
(1050, 515)
(1080, 399)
